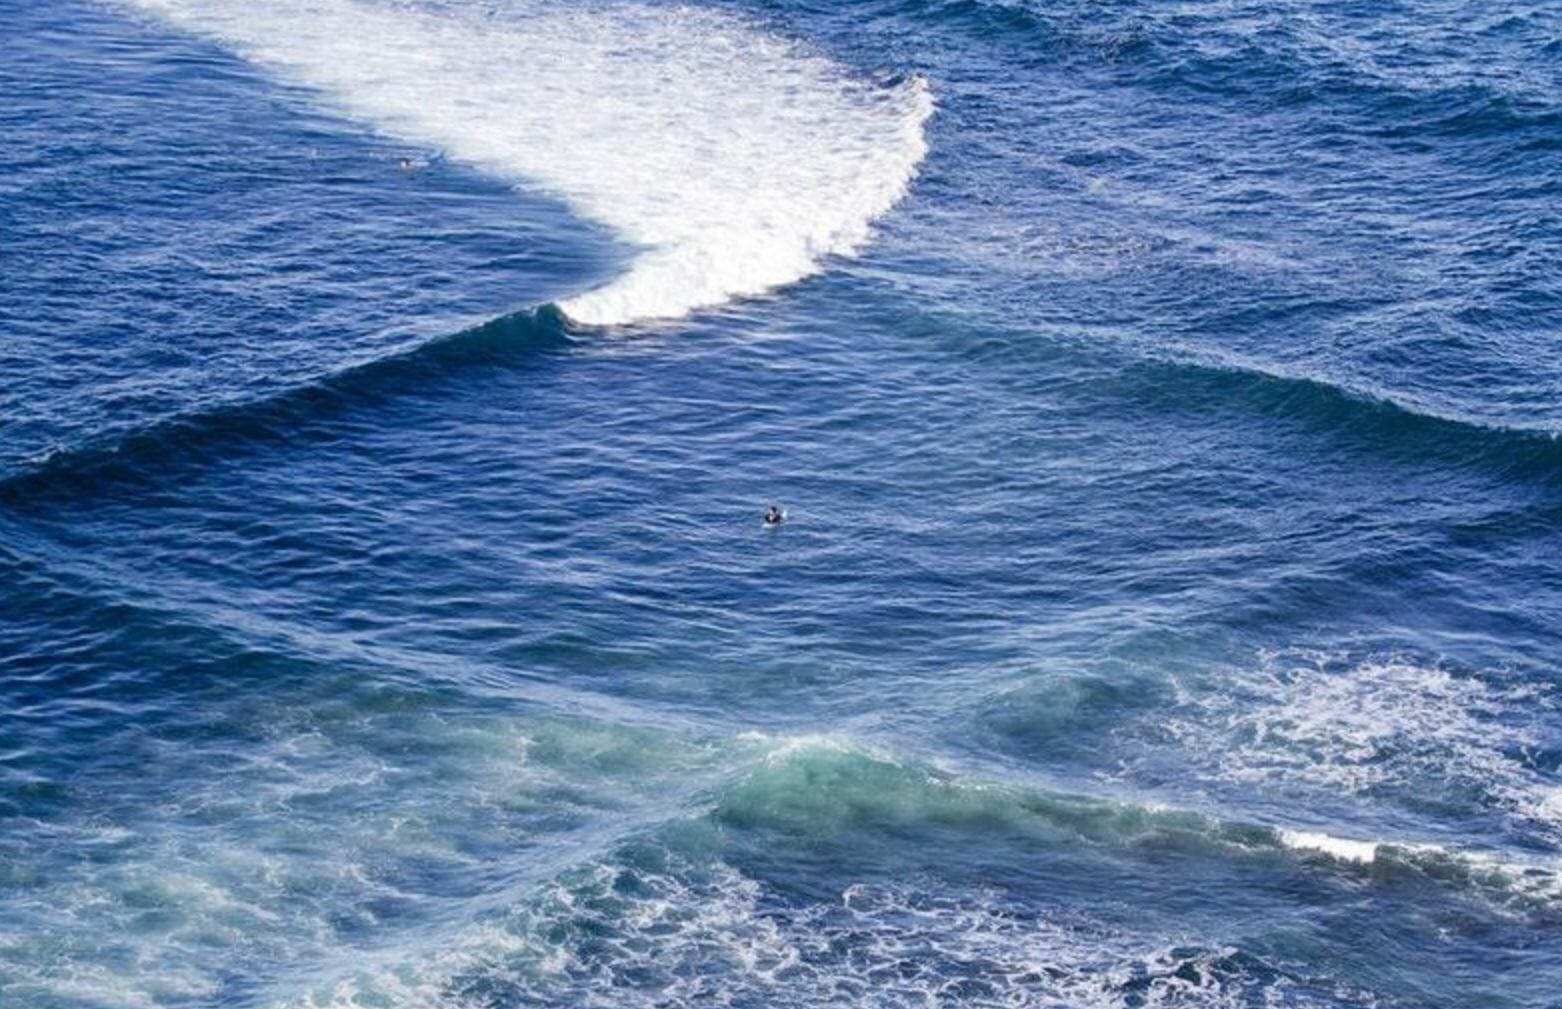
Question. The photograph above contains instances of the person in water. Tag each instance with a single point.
(774, 516)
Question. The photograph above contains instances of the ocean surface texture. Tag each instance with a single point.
(1167, 401)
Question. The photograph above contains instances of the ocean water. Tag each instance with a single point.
(1166, 400)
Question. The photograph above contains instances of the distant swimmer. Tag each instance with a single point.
(774, 516)
(406, 164)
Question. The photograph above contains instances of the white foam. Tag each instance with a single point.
(1547, 806)
(735, 161)
(1505, 880)
(778, 749)
(1307, 721)
(1362, 852)
(699, 935)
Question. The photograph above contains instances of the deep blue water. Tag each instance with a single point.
(1170, 610)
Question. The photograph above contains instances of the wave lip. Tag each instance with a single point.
(824, 786)
(732, 160)
(210, 433)
(1340, 848)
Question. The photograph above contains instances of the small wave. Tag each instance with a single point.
(1377, 420)
(1341, 848)
(731, 159)
(985, 19)
(207, 435)
(819, 786)
(1507, 883)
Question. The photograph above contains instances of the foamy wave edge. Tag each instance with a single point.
(735, 162)
(671, 282)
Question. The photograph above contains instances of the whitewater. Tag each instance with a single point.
(731, 161)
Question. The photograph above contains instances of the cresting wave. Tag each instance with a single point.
(1367, 422)
(650, 918)
(733, 161)
(1368, 419)
(204, 435)
(822, 785)
(1169, 375)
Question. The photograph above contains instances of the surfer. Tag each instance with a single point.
(774, 516)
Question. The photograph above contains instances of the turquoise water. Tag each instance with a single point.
(1165, 403)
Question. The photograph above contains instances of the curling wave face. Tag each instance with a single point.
(734, 161)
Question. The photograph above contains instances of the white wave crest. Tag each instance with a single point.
(733, 160)
(1513, 884)
(1344, 849)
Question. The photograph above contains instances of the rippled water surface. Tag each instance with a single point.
(1166, 404)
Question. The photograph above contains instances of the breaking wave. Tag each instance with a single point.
(679, 917)
(732, 160)
(148, 456)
